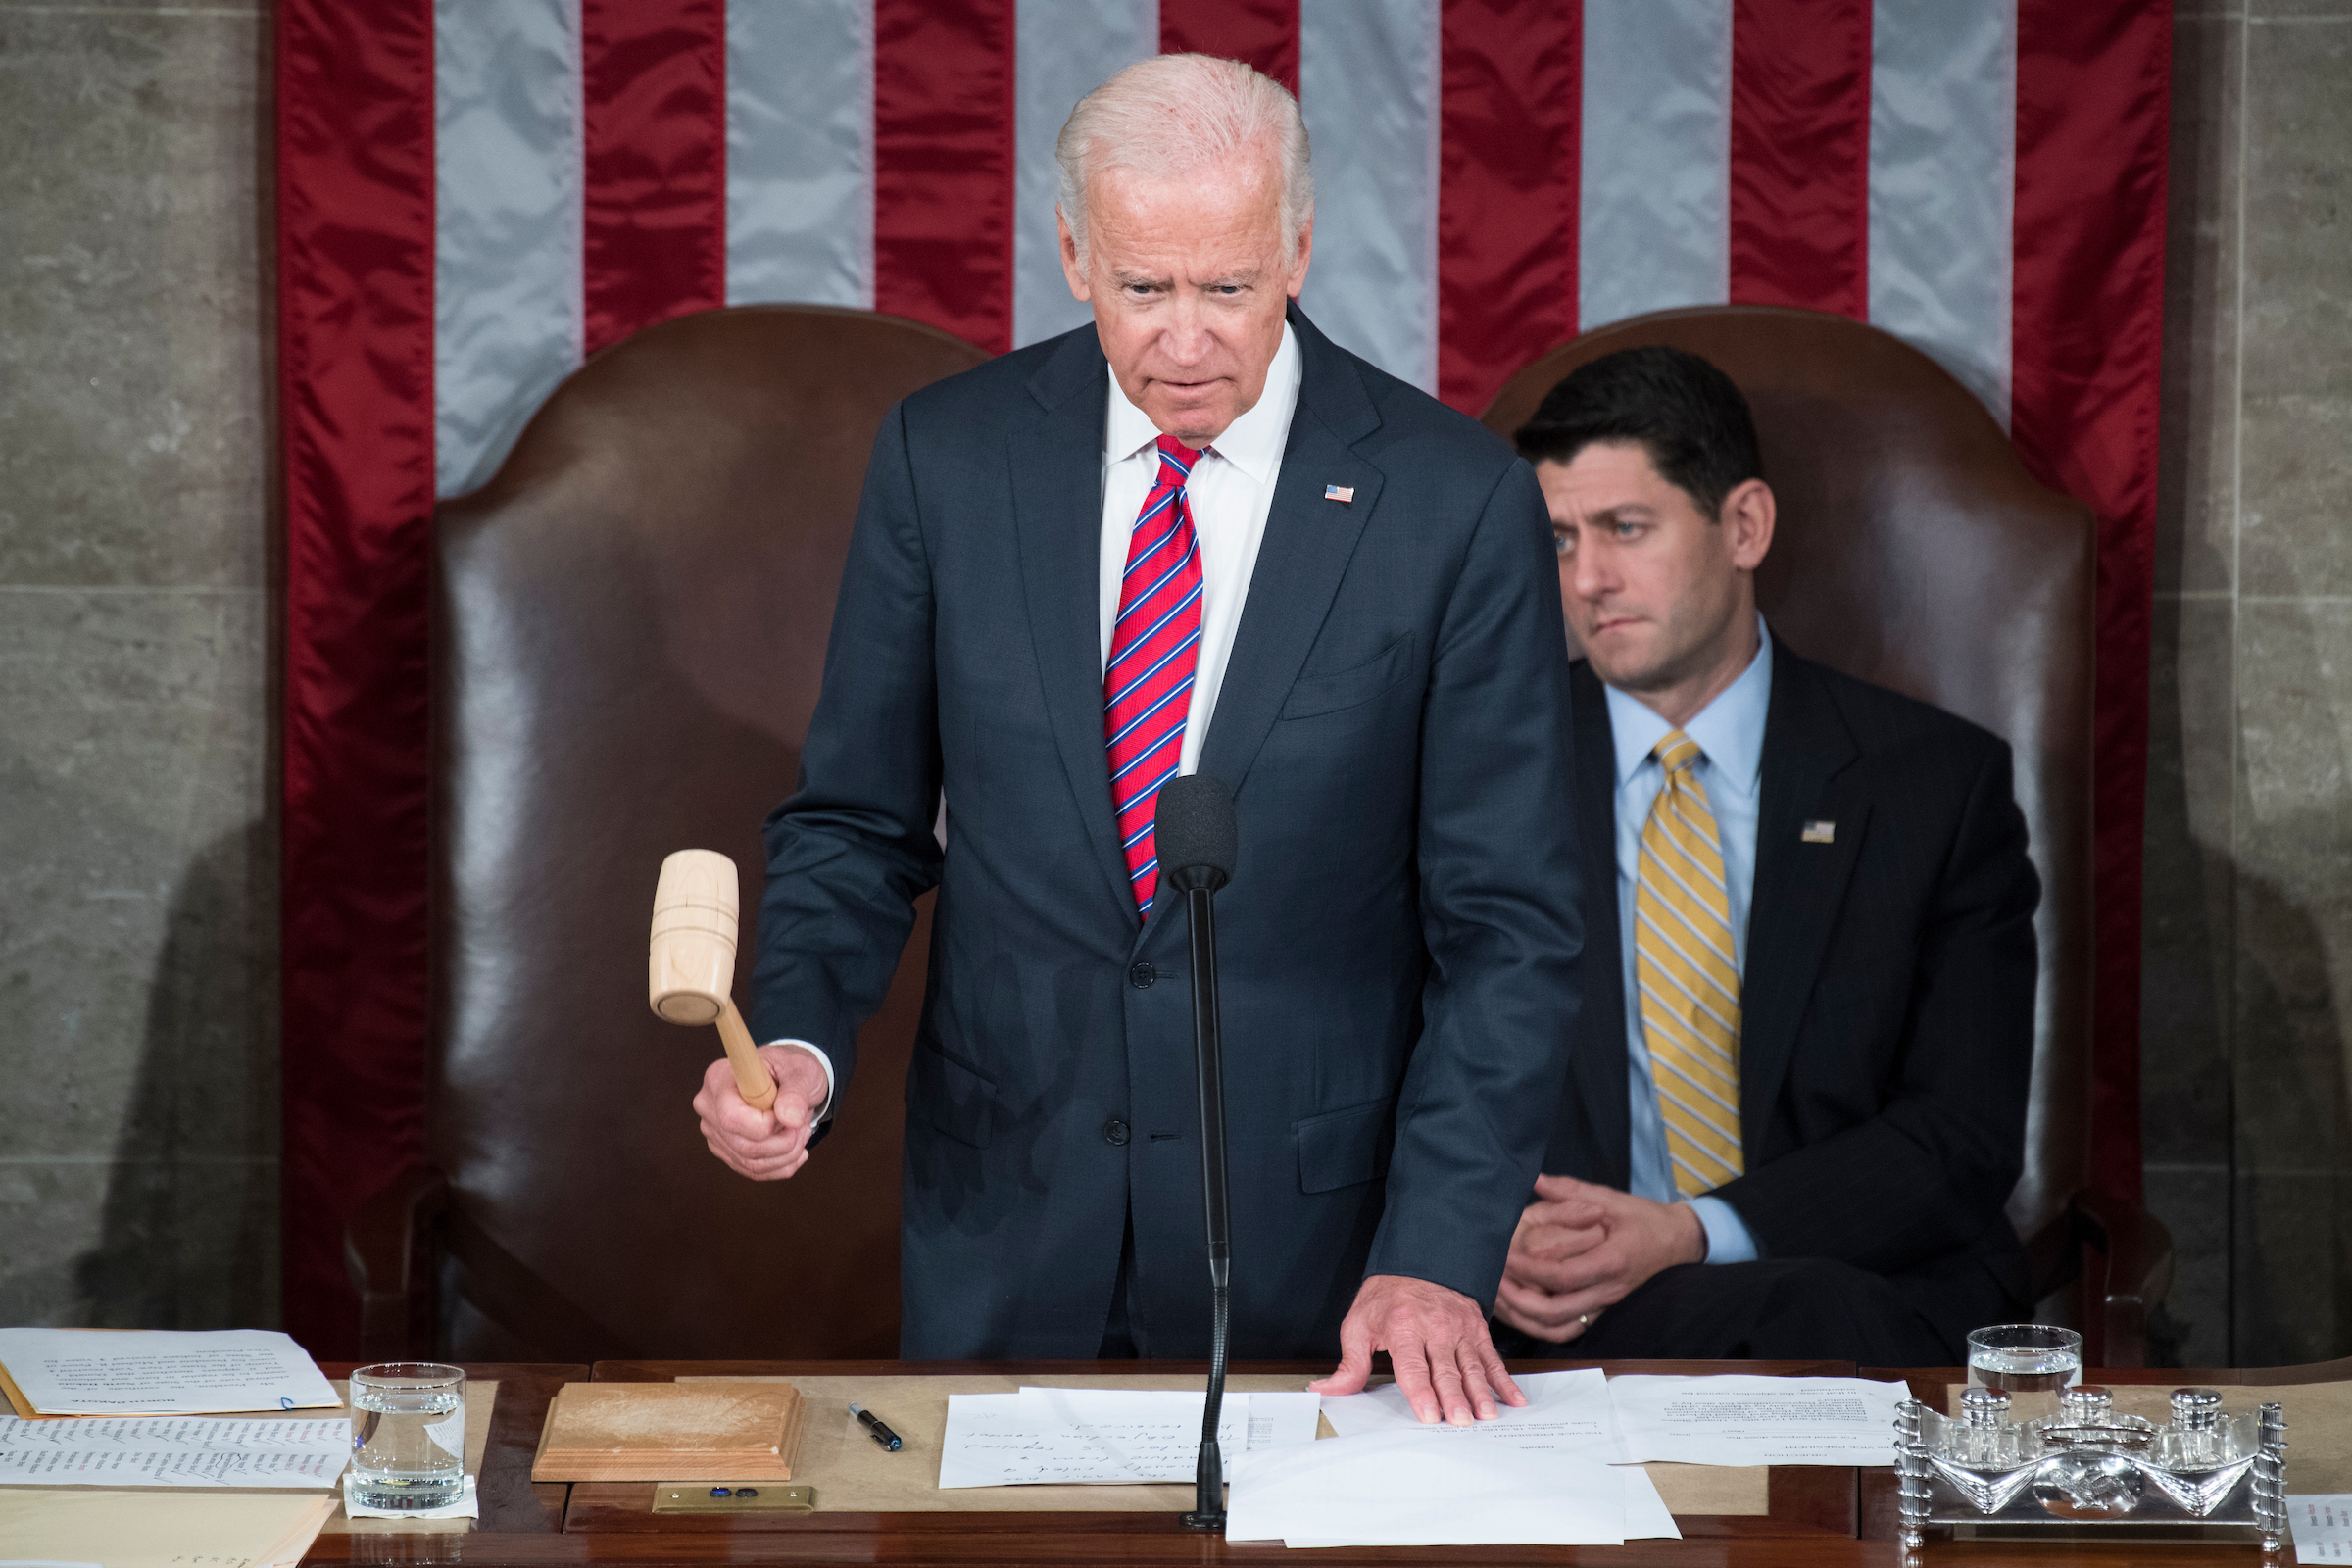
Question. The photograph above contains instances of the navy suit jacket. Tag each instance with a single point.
(1887, 1042)
(1399, 941)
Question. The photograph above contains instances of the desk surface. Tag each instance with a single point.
(1815, 1510)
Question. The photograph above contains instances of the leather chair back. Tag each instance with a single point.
(1915, 552)
(629, 632)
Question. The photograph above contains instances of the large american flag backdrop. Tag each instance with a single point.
(476, 194)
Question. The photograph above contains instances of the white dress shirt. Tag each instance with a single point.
(1730, 734)
(1231, 490)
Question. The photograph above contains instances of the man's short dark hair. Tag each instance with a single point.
(1686, 413)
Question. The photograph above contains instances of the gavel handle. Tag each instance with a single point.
(752, 1078)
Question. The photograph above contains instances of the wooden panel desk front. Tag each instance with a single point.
(526, 1524)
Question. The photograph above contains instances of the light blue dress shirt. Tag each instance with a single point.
(1730, 733)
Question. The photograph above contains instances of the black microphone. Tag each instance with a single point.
(1193, 830)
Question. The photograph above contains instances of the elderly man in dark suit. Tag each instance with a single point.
(1196, 536)
(1797, 1093)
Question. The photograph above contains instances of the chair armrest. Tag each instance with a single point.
(391, 1251)
(2125, 1276)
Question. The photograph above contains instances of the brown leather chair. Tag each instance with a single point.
(1914, 551)
(628, 636)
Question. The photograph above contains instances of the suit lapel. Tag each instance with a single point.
(1599, 1068)
(1799, 886)
(1302, 556)
(1056, 466)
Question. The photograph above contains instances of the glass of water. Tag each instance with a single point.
(2030, 1362)
(407, 1435)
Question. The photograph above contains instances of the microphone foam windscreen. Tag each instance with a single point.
(1193, 826)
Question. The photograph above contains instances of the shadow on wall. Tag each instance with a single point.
(188, 1235)
(2294, 1179)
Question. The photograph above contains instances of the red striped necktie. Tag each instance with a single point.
(1148, 685)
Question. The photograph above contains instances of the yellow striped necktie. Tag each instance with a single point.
(1686, 965)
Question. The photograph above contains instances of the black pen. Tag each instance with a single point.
(880, 1433)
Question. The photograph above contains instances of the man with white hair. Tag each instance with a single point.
(1197, 536)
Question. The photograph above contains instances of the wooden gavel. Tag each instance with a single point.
(691, 970)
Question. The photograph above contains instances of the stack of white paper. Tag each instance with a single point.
(1048, 1437)
(1436, 1487)
(173, 1452)
(1747, 1420)
(1568, 1412)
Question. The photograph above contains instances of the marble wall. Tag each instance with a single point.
(2248, 981)
(138, 834)
(138, 864)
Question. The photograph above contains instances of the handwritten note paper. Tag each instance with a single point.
(173, 1452)
(162, 1372)
(1741, 1420)
(1051, 1437)
(1566, 1411)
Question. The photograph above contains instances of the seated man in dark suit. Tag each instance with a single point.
(1797, 1092)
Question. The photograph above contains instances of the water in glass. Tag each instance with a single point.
(2029, 1361)
(407, 1435)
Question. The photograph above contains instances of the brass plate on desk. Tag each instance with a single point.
(752, 1496)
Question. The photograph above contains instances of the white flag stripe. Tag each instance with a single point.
(1655, 205)
(1066, 49)
(507, 311)
(801, 152)
(1943, 184)
(1368, 85)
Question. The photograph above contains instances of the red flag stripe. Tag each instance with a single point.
(654, 133)
(1510, 145)
(2093, 85)
(944, 150)
(1800, 154)
(1262, 32)
(355, 269)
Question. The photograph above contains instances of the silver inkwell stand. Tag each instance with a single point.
(2091, 1473)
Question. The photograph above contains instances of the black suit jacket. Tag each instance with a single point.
(1399, 940)
(1887, 1043)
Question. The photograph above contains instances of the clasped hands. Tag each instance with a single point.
(1581, 1247)
(1436, 1338)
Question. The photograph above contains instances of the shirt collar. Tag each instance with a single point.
(1729, 731)
(1252, 443)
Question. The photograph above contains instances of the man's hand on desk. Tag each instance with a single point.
(764, 1145)
(1581, 1248)
(1437, 1344)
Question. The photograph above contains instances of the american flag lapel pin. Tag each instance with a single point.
(1819, 833)
(1343, 494)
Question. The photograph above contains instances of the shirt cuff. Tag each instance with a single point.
(1729, 1239)
(826, 1109)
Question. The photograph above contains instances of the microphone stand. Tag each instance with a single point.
(1208, 1502)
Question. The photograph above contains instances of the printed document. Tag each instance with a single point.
(2322, 1525)
(1043, 1437)
(161, 1372)
(1274, 1418)
(173, 1452)
(1744, 1420)
(1568, 1412)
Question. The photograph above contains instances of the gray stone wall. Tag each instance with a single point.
(138, 864)
(2248, 980)
(138, 872)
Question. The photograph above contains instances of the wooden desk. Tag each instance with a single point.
(1815, 1510)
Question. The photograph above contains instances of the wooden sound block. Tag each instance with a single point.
(670, 1431)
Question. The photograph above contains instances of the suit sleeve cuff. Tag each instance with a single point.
(824, 1112)
(1729, 1239)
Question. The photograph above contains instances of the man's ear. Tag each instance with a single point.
(1069, 259)
(1747, 517)
(1306, 251)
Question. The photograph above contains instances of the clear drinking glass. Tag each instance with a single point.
(407, 1435)
(2030, 1362)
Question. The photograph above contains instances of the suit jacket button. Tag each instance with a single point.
(1115, 1133)
(1142, 975)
